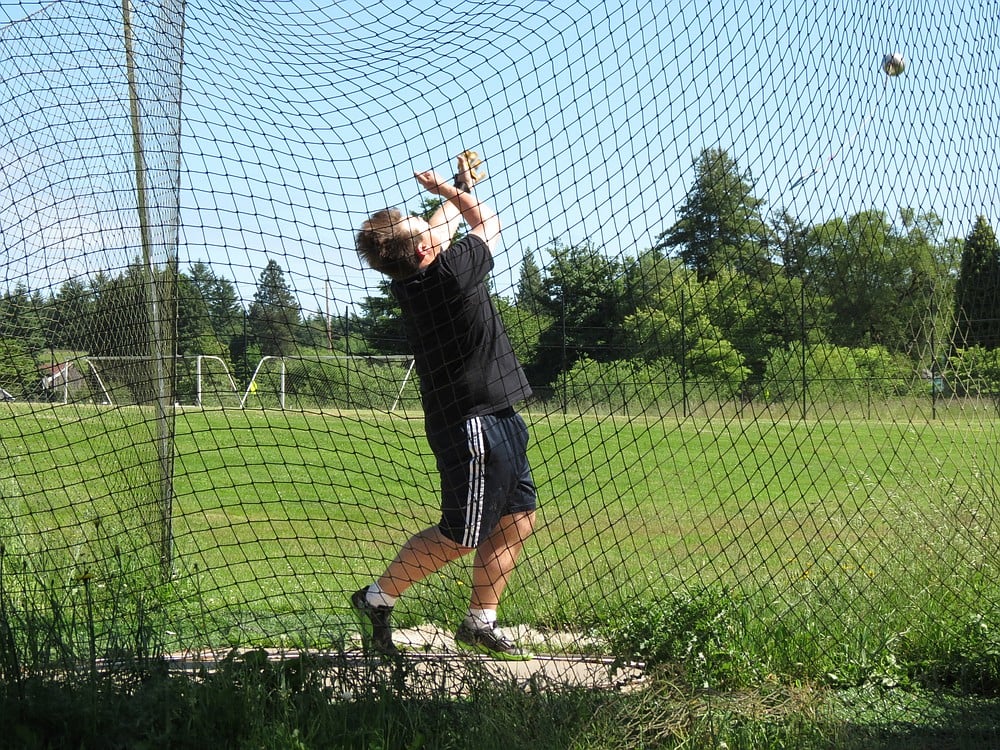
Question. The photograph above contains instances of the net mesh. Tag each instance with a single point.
(752, 279)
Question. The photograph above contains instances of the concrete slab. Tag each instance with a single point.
(432, 665)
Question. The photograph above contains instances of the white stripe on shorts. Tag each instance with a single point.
(477, 482)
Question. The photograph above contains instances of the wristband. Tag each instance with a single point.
(462, 185)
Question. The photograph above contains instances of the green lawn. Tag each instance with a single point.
(277, 515)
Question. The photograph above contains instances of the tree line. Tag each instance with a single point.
(728, 298)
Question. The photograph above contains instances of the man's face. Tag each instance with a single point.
(414, 224)
(432, 242)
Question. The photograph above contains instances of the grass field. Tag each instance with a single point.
(842, 552)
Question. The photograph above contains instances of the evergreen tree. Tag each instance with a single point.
(20, 318)
(274, 316)
(18, 371)
(195, 334)
(119, 326)
(977, 292)
(224, 308)
(382, 323)
(530, 294)
(720, 224)
(68, 314)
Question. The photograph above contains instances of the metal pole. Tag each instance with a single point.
(329, 320)
(282, 399)
(684, 393)
(802, 336)
(197, 387)
(164, 443)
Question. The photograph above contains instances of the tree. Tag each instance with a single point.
(120, 325)
(923, 273)
(318, 332)
(674, 325)
(120, 330)
(69, 314)
(849, 266)
(650, 277)
(720, 224)
(274, 316)
(225, 311)
(584, 294)
(759, 314)
(530, 294)
(195, 334)
(382, 323)
(18, 370)
(880, 282)
(791, 239)
(977, 292)
(20, 319)
(524, 328)
(668, 317)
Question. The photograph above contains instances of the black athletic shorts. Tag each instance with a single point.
(484, 474)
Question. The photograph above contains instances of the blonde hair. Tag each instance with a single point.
(389, 246)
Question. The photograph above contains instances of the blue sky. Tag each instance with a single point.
(301, 117)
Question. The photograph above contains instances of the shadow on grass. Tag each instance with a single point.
(904, 720)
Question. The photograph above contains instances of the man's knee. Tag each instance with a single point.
(525, 521)
(516, 527)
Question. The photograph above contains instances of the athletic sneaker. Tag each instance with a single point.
(490, 641)
(378, 617)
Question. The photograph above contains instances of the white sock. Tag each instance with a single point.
(481, 619)
(378, 598)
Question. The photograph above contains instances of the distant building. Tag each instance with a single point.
(61, 381)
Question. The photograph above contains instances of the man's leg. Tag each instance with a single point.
(496, 557)
(424, 553)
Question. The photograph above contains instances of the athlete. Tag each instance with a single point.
(470, 383)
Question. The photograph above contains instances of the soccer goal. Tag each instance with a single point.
(377, 382)
(212, 382)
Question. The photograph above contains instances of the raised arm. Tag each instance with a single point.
(459, 204)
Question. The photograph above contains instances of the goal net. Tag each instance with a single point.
(748, 263)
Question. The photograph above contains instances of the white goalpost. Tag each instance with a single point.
(199, 377)
(377, 382)
(372, 362)
(252, 385)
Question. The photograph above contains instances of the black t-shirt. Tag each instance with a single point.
(463, 356)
